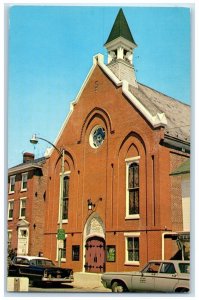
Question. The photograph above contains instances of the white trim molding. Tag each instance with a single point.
(128, 161)
(12, 177)
(24, 175)
(9, 208)
(133, 235)
(20, 207)
(66, 173)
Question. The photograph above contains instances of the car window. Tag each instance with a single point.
(33, 262)
(167, 268)
(152, 267)
(45, 263)
(49, 263)
(21, 261)
(184, 267)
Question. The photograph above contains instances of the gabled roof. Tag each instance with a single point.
(22, 223)
(120, 29)
(159, 110)
(176, 112)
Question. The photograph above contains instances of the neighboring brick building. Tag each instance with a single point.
(27, 183)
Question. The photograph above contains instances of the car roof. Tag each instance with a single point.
(32, 257)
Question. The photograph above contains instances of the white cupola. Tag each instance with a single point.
(120, 45)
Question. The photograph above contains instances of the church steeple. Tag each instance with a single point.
(120, 29)
(120, 45)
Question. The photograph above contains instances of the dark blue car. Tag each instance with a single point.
(39, 270)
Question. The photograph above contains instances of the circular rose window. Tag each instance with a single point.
(97, 136)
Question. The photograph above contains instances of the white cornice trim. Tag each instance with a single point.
(158, 120)
(120, 40)
(22, 168)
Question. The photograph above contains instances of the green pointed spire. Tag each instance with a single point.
(120, 29)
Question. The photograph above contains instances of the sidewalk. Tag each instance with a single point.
(89, 280)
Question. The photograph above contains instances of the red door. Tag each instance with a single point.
(95, 255)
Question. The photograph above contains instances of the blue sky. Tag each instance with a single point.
(50, 52)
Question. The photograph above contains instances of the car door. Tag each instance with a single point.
(146, 280)
(143, 282)
(22, 265)
(166, 278)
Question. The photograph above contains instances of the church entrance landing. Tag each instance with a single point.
(95, 255)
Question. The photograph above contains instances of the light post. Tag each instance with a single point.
(61, 232)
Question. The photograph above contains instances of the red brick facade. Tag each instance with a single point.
(32, 220)
(101, 173)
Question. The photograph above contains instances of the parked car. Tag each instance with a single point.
(39, 270)
(156, 276)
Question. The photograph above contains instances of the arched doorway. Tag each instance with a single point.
(95, 255)
(94, 245)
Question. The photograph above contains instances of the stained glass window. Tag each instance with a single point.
(65, 198)
(133, 188)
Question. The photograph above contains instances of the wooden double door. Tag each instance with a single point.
(95, 255)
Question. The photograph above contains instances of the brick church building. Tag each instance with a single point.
(121, 142)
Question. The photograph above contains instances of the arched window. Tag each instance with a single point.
(132, 188)
(65, 197)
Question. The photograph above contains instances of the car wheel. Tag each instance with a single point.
(118, 287)
(182, 290)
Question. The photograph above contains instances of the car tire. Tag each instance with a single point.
(118, 287)
(182, 290)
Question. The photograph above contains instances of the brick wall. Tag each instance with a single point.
(35, 208)
(38, 210)
(176, 159)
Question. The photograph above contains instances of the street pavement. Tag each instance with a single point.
(68, 288)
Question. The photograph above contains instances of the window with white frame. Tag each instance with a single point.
(61, 249)
(10, 209)
(22, 212)
(24, 181)
(132, 252)
(65, 197)
(132, 187)
(9, 238)
(12, 184)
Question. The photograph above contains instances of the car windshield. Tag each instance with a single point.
(152, 267)
(42, 262)
(184, 267)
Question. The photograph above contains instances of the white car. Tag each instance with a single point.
(156, 276)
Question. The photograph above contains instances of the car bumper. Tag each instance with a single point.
(61, 280)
